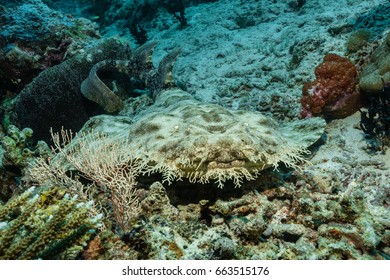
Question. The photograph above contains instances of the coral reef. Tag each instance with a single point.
(294, 221)
(376, 74)
(108, 246)
(375, 121)
(375, 20)
(139, 67)
(334, 93)
(179, 177)
(109, 167)
(374, 84)
(357, 40)
(305, 215)
(45, 224)
(52, 101)
(17, 149)
(34, 37)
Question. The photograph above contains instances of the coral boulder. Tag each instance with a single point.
(53, 99)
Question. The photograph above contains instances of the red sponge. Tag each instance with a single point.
(334, 92)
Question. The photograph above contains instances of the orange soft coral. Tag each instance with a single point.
(334, 92)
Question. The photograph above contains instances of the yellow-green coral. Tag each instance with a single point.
(17, 149)
(45, 224)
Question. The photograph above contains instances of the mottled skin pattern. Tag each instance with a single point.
(181, 137)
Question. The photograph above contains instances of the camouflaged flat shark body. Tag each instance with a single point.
(182, 137)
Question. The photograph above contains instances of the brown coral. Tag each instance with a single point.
(334, 93)
(94, 249)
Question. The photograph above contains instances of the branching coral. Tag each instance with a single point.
(45, 224)
(334, 93)
(109, 166)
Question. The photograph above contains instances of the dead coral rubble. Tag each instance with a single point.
(293, 221)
